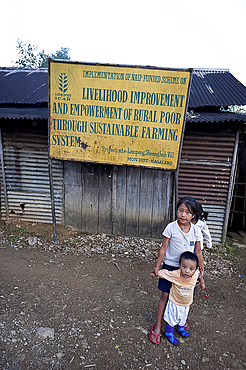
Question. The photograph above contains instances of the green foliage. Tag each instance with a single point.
(16, 232)
(43, 236)
(240, 109)
(61, 54)
(43, 60)
(30, 58)
(227, 251)
(27, 55)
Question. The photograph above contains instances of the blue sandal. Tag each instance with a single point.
(171, 338)
(184, 333)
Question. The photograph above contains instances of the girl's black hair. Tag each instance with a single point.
(189, 256)
(200, 214)
(190, 204)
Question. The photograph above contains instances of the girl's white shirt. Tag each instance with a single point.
(205, 233)
(179, 242)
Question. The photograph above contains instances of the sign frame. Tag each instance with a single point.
(93, 94)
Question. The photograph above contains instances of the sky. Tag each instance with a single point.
(161, 33)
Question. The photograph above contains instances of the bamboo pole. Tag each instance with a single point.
(231, 188)
(4, 178)
(52, 200)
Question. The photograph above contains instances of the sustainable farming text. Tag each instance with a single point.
(119, 113)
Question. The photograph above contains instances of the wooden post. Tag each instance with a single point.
(52, 200)
(50, 166)
(4, 178)
(231, 187)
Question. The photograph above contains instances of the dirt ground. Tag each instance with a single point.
(77, 306)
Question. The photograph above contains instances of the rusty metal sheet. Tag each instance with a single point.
(205, 173)
(27, 178)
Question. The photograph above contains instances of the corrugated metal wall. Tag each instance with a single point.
(27, 177)
(204, 174)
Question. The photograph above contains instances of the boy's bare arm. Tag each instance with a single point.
(202, 283)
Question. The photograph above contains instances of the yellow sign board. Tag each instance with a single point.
(118, 115)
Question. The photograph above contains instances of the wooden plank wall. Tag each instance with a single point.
(117, 200)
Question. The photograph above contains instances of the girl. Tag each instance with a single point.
(199, 220)
(179, 236)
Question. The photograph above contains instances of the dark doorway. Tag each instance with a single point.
(237, 219)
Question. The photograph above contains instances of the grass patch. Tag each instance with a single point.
(228, 251)
(17, 232)
(43, 236)
(14, 233)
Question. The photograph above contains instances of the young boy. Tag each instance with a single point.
(181, 294)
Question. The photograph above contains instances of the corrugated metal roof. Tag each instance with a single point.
(215, 88)
(215, 117)
(193, 117)
(18, 86)
(24, 113)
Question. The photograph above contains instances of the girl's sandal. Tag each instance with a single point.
(171, 338)
(184, 333)
(156, 339)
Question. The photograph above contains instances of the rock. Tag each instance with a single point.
(32, 240)
(59, 355)
(84, 343)
(236, 236)
(238, 245)
(21, 357)
(46, 332)
(71, 228)
(205, 359)
(142, 330)
(242, 234)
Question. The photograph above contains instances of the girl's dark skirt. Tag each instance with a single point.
(165, 285)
